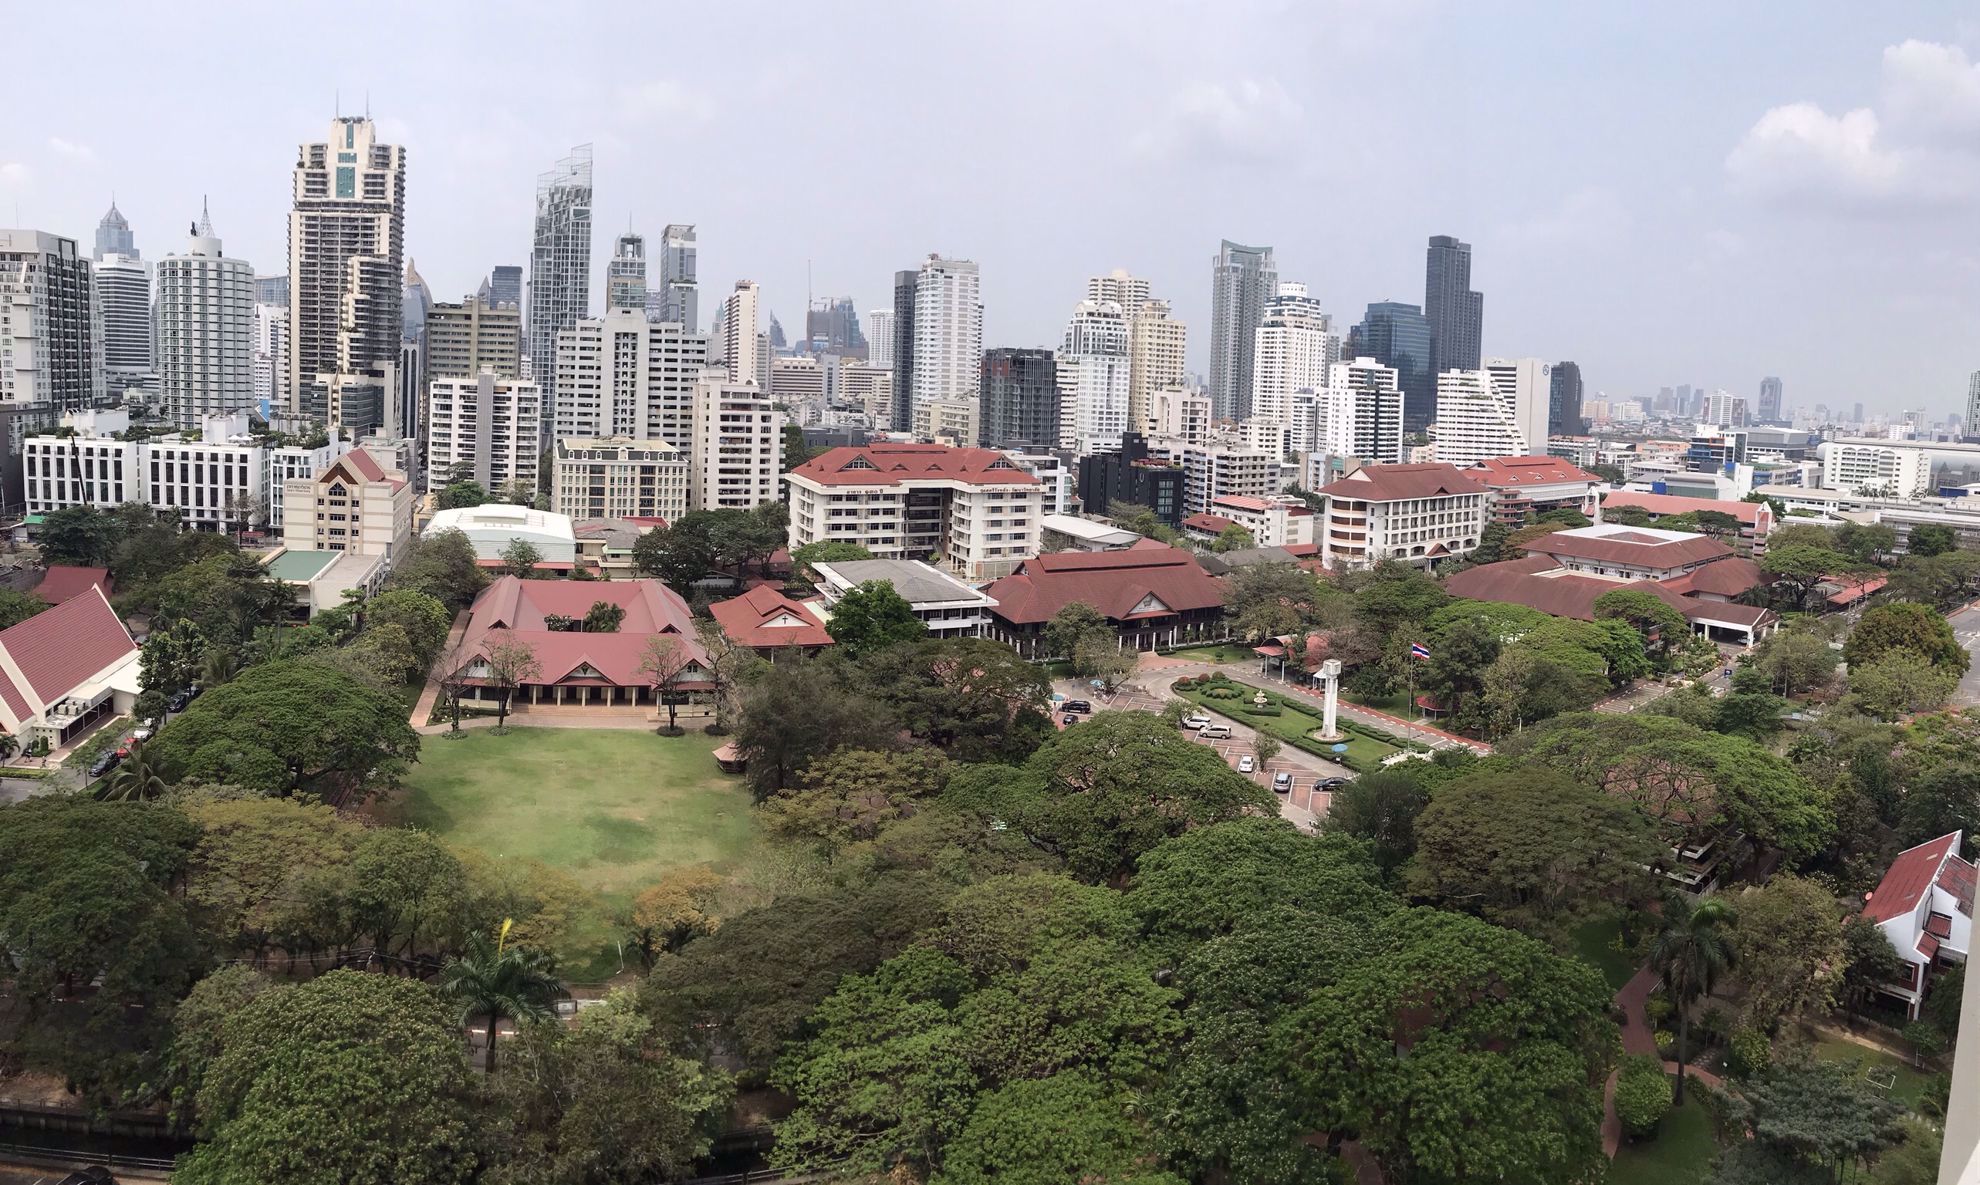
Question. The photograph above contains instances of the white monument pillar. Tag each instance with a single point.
(1330, 672)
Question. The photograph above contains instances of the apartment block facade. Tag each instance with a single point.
(973, 511)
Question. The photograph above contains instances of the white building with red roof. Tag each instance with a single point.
(354, 505)
(974, 511)
(1924, 905)
(1275, 521)
(65, 668)
(770, 623)
(1523, 487)
(1152, 595)
(575, 666)
(1412, 514)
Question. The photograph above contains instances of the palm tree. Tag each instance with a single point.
(136, 780)
(499, 982)
(1691, 952)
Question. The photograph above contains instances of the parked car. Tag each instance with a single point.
(1282, 783)
(145, 731)
(1330, 783)
(179, 701)
(1199, 720)
(1078, 705)
(1215, 732)
(1246, 764)
(1069, 718)
(104, 763)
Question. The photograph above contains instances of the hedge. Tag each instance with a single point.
(1643, 1095)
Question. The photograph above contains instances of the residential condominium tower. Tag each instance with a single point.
(560, 260)
(678, 302)
(1293, 347)
(1092, 370)
(473, 336)
(625, 275)
(123, 292)
(205, 330)
(948, 331)
(1242, 279)
(1564, 401)
(51, 327)
(902, 354)
(622, 375)
(1156, 346)
(1020, 400)
(1360, 412)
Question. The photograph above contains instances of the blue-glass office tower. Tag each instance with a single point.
(1398, 335)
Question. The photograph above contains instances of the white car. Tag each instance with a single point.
(1246, 764)
(1214, 732)
(1197, 721)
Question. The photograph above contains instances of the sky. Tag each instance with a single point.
(1684, 192)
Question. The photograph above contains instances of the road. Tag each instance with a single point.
(1966, 626)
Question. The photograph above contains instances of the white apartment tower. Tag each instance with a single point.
(486, 422)
(51, 326)
(736, 450)
(1359, 412)
(948, 331)
(1156, 346)
(625, 275)
(1179, 412)
(1526, 384)
(123, 292)
(741, 345)
(622, 375)
(346, 263)
(1092, 367)
(560, 259)
(1129, 292)
(880, 337)
(206, 330)
(1293, 347)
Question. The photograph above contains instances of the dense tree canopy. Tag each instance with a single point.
(973, 698)
(871, 617)
(1904, 626)
(803, 710)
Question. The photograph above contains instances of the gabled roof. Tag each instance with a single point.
(1502, 472)
(1396, 483)
(1912, 875)
(893, 464)
(1114, 582)
(1212, 523)
(764, 617)
(59, 649)
(62, 581)
(1748, 513)
(1538, 583)
(1636, 547)
(1728, 577)
(511, 608)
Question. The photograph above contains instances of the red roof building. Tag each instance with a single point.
(1151, 595)
(1756, 519)
(1412, 514)
(1537, 582)
(1523, 487)
(62, 581)
(1629, 553)
(576, 666)
(767, 621)
(66, 668)
(1924, 906)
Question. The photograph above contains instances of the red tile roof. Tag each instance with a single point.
(892, 464)
(59, 648)
(1634, 548)
(363, 464)
(63, 581)
(512, 608)
(1910, 877)
(1728, 577)
(1213, 523)
(1748, 513)
(1529, 471)
(763, 617)
(1395, 483)
(1114, 582)
(1521, 582)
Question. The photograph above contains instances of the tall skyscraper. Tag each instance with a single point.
(1456, 313)
(346, 258)
(1564, 401)
(272, 290)
(205, 329)
(1294, 347)
(505, 285)
(831, 326)
(904, 287)
(1020, 407)
(1770, 400)
(1157, 344)
(948, 331)
(415, 299)
(123, 292)
(678, 302)
(1092, 367)
(625, 275)
(51, 328)
(1398, 336)
(1359, 412)
(560, 260)
(113, 235)
(473, 336)
(741, 344)
(1242, 279)
(1129, 292)
(880, 337)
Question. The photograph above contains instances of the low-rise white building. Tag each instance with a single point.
(1276, 521)
(492, 527)
(1887, 468)
(974, 510)
(946, 606)
(618, 478)
(1413, 514)
(354, 505)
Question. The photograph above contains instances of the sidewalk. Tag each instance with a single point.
(1637, 1038)
(429, 696)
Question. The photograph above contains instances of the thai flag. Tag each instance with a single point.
(1418, 650)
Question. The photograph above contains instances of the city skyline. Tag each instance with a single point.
(1761, 182)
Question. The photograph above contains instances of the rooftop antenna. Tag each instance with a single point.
(338, 103)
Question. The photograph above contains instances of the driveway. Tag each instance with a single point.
(1966, 627)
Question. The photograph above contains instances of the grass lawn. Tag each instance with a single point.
(1910, 1085)
(1219, 654)
(1364, 752)
(1678, 1155)
(1592, 945)
(614, 808)
(1396, 703)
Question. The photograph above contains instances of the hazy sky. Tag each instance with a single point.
(1674, 192)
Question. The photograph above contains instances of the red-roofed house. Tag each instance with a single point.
(65, 668)
(1756, 519)
(1539, 583)
(1924, 905)
(972, 510)
(1204, 527)
(1154, 596)
(1523, 487)
(1413, 514)
(576, 667)
(62, 581)
(1630, 553)
(768, 622)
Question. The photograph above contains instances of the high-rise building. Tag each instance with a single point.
(486, 424)
(1242, 279)
(948, 330)
(1179, 412)
(114, 237)
(775, 338)
(678, 303)
(346, 258)
(1770, 400)
(880, 337)
(1293, 348)
(622, 375)
(736, 447)
(740, 341)
(1360, 412)
(1092, 367)
(51, 327)
(1114, 483)
(1129, 292)
(903, 351)
(559, 260)
(1156, 346)
(1973, 404)
(1020, 398)
(271, 356)
(505, 285)
(1722, 409)
(205, 330)
(473, 336)
(1564, 400)
(1455, 312)
(123, 292)
(415, 298)
(625, 275)
(831, 326)
(1497, 411)
(272, 290)
(1398, 336)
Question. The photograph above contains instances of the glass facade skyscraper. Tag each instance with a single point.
(1242, 279)
(1563, 401)
(560, 261)
(1020, 399)
(1456, 313)
(1398, 336)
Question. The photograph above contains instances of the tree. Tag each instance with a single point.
(663, 661)
(604, 617)
(1903, 625)
(1787, 941)
(405, 891)
(442, 566)
(872, 616)
(1392, 596)
(807, 710)
(1692, 953)
(729, 665)
(423, 617)
(1233, 538)
(1643, 1095)
(680, 553)
(16, 607)
(460, 495)
(850, 795)
(520, 558)
(1072, 1126)
(1459, 656)
(1531, 849)
(499, 982)
(251, 854)
(1929, 539)
(1718, 524)
(1449, 1015)
(1380, 808)
(1866, 543)
(294, 724)
(198, 1027)
(1072, 625)
(1794, 661)
(1795, 569)
(511, 662)
(1646, 614)
(81, 536)
(1625, 516)
(1900, 684)
(295, 1092)
(1265, 747)
(1100, 795)
(1869, 961)
(1102, 658)
(973, 698)
(828, 551)
(135, 779)
(1273, 600)
(1823, 1114)
(677, 908)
